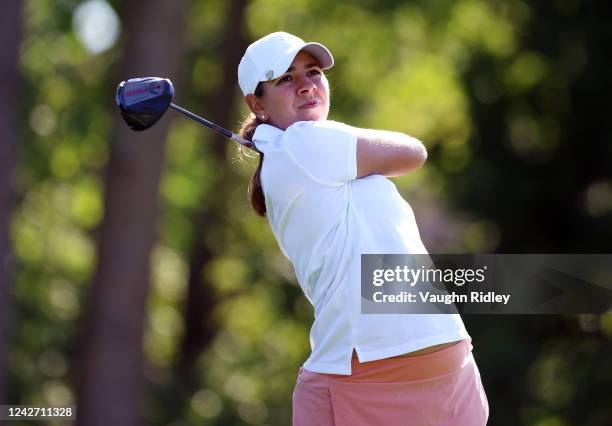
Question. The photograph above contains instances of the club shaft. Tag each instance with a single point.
(213, 126)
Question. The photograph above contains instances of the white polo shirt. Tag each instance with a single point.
(324, 218)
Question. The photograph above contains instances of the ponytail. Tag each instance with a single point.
(247, 130)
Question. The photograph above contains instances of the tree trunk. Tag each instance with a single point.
(111, 387)
(10, 84)
(199, 329)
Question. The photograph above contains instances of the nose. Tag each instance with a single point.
(305, 86)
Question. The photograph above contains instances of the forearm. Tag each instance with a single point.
(388, 153)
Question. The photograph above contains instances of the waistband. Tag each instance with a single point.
(418, 367)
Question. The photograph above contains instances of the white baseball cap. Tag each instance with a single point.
(270, 56)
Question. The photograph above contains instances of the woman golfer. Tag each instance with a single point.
(324, 189)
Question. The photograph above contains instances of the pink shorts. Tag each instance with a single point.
(435, 389)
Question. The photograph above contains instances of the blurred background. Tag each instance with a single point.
(137, 283)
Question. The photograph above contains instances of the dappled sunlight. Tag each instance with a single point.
(508, 98)
(96, 25)
(598, 199)
(430, 99)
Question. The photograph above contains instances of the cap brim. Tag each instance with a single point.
(317, 50)
(321, 54)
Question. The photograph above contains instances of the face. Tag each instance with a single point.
(300, 94)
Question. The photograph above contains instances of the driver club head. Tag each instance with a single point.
(143, 101)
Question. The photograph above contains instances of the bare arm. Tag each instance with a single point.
(388, 153)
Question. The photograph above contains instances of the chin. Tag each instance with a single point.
(314, 117)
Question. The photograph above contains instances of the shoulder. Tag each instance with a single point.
(319, 130)
(305, 126)
(267, 137)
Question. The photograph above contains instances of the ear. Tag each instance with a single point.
(256, 105)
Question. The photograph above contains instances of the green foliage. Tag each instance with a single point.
(492, 96)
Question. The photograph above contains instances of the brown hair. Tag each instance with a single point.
(247, 130)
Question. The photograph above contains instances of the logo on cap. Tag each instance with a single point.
(269, 74)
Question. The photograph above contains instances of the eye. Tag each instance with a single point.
(314, 72)
(285, 78)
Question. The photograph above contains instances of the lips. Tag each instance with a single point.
(310, 104)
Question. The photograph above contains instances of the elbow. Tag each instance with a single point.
(417, 156)
(410, 161)
(420, 155)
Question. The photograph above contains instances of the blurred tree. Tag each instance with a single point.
(10, 84)
(542, 116)
(510, 98)
(111, 386)
(199, 325)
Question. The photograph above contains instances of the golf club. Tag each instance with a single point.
(143, 101)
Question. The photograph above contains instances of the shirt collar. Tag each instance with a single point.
(266, 133)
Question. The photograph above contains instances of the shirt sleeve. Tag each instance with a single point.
(325, 150)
